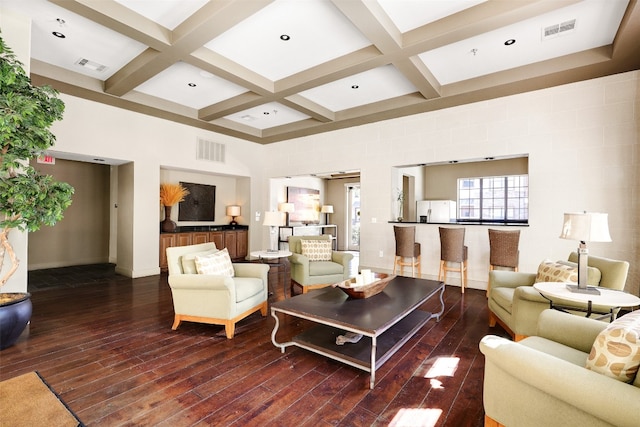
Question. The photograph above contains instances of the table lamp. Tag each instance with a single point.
(585, 227)
(273, 220)
(326, 209)
(233, 211)
(287, 208)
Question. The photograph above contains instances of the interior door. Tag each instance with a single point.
(353, 216)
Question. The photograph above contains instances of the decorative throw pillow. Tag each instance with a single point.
(616, 350)
(316, 250)
(565, 271)
(218, 264)
(189, 261)
(593, 274)
(549, 271)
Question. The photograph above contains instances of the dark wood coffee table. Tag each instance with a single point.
(386, 321)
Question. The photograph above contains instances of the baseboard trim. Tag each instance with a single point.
(46, 265)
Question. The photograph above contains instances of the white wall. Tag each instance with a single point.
(582, 141)
(152, 145)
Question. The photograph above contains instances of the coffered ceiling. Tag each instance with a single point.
(271, 70)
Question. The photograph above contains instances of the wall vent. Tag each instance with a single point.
(556, 30)
(210, 150)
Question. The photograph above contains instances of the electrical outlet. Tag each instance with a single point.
(381, 254)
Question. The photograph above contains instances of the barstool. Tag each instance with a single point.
(453, 250)
(503, 250)
(406, 247)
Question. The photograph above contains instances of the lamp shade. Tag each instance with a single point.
(586, 227)
(286, 207)
(233, 210)
(273, 219)
(327, 209)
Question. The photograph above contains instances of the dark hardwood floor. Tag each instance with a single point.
(104, 343)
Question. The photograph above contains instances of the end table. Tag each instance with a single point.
(278, 266)
(610, 298)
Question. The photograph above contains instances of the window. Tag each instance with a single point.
(494, 199)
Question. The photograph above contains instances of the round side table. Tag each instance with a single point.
(278, 260)
(608, 297)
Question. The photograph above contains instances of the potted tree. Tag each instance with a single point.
(28, 199)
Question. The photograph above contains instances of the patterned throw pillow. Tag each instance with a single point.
(217, 264)
(189, 261)
(565, 271)
(316, 250)
(616, 350)
(550, 271)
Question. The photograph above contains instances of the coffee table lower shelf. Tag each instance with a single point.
(367, 354)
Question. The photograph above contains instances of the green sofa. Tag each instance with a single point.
(311, 275)
(542, 380)
(515, 304)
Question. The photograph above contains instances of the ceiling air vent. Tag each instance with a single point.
(209, 150)
(556, 30)
(94, 66)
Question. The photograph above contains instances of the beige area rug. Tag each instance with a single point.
(27, 400)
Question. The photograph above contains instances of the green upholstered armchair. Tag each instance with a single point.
(316, 274)
(516, 305)
(542, 380)
(218, 300)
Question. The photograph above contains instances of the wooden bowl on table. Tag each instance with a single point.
(365, 291)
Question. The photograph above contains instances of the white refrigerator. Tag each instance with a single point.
(438, 211)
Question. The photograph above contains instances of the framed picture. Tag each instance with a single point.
(306, 203)
(199, 204)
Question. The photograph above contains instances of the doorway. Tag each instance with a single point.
(352, 192)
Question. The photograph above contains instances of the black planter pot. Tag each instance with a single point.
(15, 313)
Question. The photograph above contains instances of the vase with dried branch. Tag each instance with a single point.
(170, 195)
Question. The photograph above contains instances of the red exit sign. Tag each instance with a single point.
(48, 160)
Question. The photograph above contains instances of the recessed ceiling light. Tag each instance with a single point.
(266, 113)
(285, 37)
(60, 21)
(354, 86)
(191, 84)
(59, 35)
(509, 42)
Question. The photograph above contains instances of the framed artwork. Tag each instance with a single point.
(199, 204)
(306, 203)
